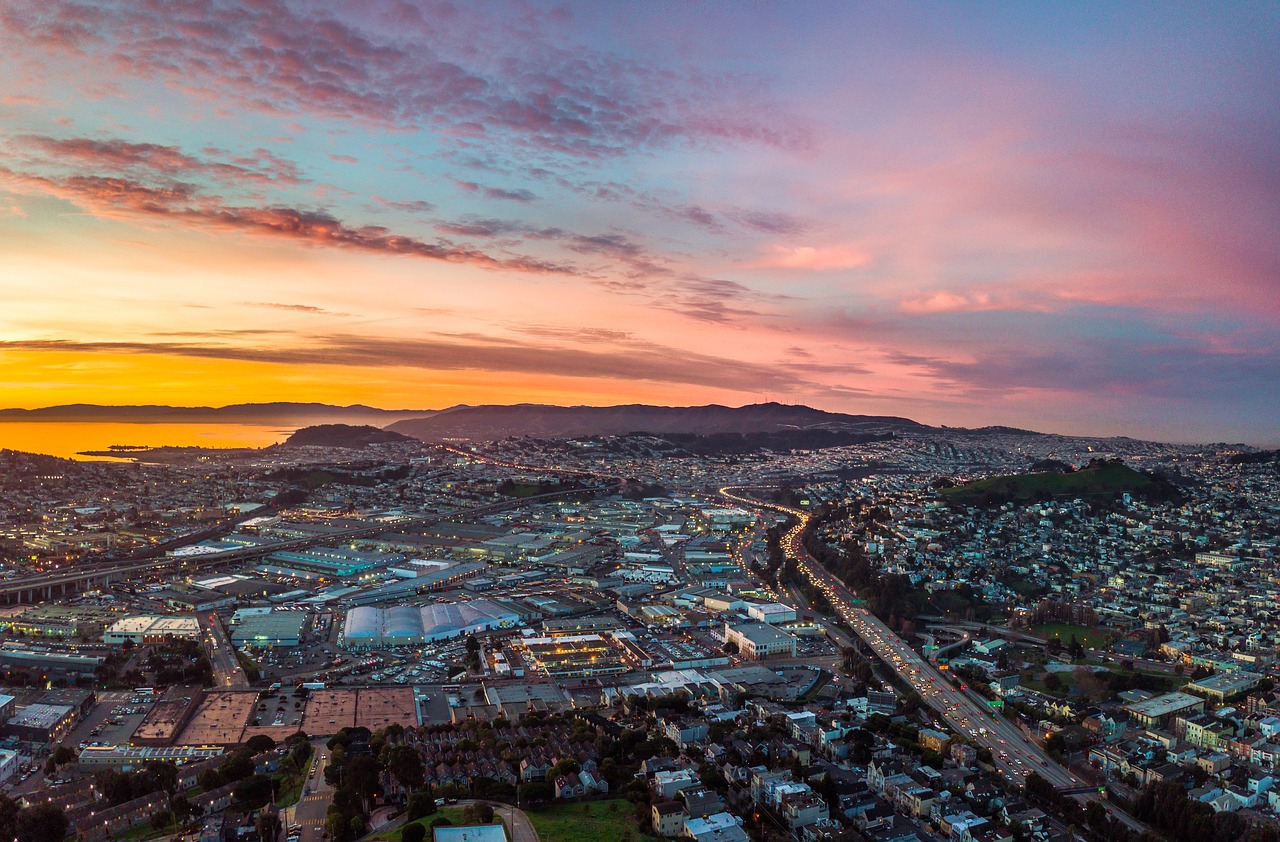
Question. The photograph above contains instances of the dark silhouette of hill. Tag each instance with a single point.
(343, 435)
(484, 423)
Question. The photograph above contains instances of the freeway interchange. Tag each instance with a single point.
(1013, 754)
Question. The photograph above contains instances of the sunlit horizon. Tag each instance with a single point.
(1060, 219)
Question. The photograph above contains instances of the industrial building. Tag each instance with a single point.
(1160, 710)
(408, 625)
(64, 621)
(123, 758)
(41, 723)
(47, 664)
(151, 629)
(759, 641)
(569, 656)
(279, 628)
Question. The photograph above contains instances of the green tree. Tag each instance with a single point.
(405, 765)
(361, 777)
(421, 804)
(254, 792)
(413, 833)
(42, 823)
(259, 743)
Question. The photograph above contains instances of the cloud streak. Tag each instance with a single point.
(285, 58)
(628, 360)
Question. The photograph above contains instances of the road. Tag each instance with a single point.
(310, 811)
(120, 571)
(1013, 753)
(227, 672)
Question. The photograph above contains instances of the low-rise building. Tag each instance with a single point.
(151, 629)
(760, 641)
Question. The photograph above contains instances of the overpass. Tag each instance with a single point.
(47, 586)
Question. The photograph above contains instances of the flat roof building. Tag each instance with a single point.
(279, 628)
(1159, 710)
(41, 723)
(1225, 685)
(151, 629)
(759, 641)
(478, 833)
(129, 757)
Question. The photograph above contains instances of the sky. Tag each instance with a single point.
(1060, 216)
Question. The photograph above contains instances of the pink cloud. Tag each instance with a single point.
(814, 258)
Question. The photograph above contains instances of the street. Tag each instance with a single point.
(309, 813)
(227, 672)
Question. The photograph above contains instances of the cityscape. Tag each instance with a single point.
(614, 422)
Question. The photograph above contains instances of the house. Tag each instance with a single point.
(568, 786)
(933, 740)
(668, 818)
(533, 769)
(592, 784)
(665, 785)
(721, 827)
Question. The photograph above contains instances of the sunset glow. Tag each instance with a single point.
(1061, 217)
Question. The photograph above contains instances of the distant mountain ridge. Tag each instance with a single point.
(545, 421)
(280, 412)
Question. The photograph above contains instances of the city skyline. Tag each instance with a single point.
(1054, 218)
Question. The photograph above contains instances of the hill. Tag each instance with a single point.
(1099, 479)
(343, 435)
(282, 413)
(483, 423)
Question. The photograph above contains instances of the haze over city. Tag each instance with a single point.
(1054, 216)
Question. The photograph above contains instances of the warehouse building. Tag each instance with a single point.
(41, 723)
(408, 625)
(151, 629)
(46, 664)
(759, 641)
(279, 628)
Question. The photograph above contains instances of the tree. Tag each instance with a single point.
(8, 817)
(413, 833)
(238, 766)
(337, 825)
(481, 812)
(405, 765)
(254, 792)
(42, 823)
(259, 743)
(568, 766)
(361, 777)
(421, 804)
(210, 779)
(536, 792)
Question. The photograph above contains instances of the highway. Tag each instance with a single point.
(119, 571)
(966, 713)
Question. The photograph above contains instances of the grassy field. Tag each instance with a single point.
(1090, 638)
(453, 814)
(598, 824)
(1109, 480)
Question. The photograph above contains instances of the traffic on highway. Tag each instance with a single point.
(1013, 754)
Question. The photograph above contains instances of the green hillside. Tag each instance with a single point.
(1107, 479)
